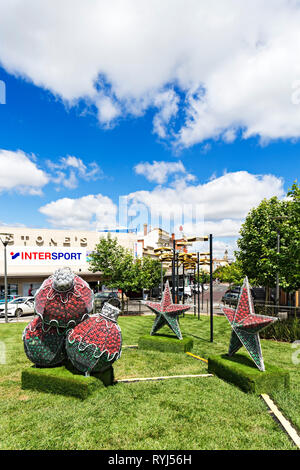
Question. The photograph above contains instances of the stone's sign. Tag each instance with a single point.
(41, 240)
(21, 256)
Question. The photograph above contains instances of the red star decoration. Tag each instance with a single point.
(166, 313)
(246, 326)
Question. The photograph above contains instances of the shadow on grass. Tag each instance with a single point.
(201, 339)
(240, 359)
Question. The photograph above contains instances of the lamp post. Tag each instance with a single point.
(198, 284)
(173, 272)
(277, 295)
(5, 243)
(211, 288)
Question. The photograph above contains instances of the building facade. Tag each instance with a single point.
(34, 254)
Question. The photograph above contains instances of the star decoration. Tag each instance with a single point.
(166, 313)
(246, 326)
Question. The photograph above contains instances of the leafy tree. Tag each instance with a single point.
(257, 245)
(232, 274)
(113, 261)
(204, 277)
(120, 270)
(149, 272)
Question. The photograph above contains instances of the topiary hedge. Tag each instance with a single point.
(165, 343)
(65, 381)
(240, 371)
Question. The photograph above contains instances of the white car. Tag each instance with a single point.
(18, 307)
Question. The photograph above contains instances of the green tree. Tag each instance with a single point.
(149, 272)
(204, 277)
(113, 261)
(233, 274)
(257, 245)
(120, 270)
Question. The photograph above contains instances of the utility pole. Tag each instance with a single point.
(211, 288)
(5, 243)
(277, 273)
(279, 218)
(173, 273)
(198, 285)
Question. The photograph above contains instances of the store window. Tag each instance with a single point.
(12, 289)
(30, 288)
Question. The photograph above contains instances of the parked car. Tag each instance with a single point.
(106, 296)
(18, 307)
(230, 298)
(187, 292)
(9, 298)
(194, 287)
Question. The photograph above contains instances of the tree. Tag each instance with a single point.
(257, 245)
(113, 261)
(232, 273)
(149, 272)
(120, 270)
(204, 277)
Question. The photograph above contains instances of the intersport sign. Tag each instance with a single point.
(21, 256)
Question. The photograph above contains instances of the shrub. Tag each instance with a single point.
(283, 330)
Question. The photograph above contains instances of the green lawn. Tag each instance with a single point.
(204, 413)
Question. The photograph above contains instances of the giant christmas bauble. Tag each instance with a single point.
(64, 299)
(95, 343)
(44, 346)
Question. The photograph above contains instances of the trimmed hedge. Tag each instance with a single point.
(65, 381)
(240, 371)
(165, 343)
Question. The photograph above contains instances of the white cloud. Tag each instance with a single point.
(160, 171)
(167, 103)
(230, 196)
(87, 212)
(76, 169)
(19, 172)
(233, 68)
(108, 110)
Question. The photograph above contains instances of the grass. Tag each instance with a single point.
(165, 343)
(205, 413)
(239, 370)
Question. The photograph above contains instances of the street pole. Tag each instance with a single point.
(211, 288)
(161, 280)
(279, 218)
(183, 283)
(277, 273)
(194, 289)
(177, 278)
(5, 243)
(198, 290)
(173, 273)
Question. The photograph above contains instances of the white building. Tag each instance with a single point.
(34, 254)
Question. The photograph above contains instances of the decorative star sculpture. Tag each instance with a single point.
(246, 326)
(166, 313)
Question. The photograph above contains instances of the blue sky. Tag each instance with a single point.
(80, 128)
